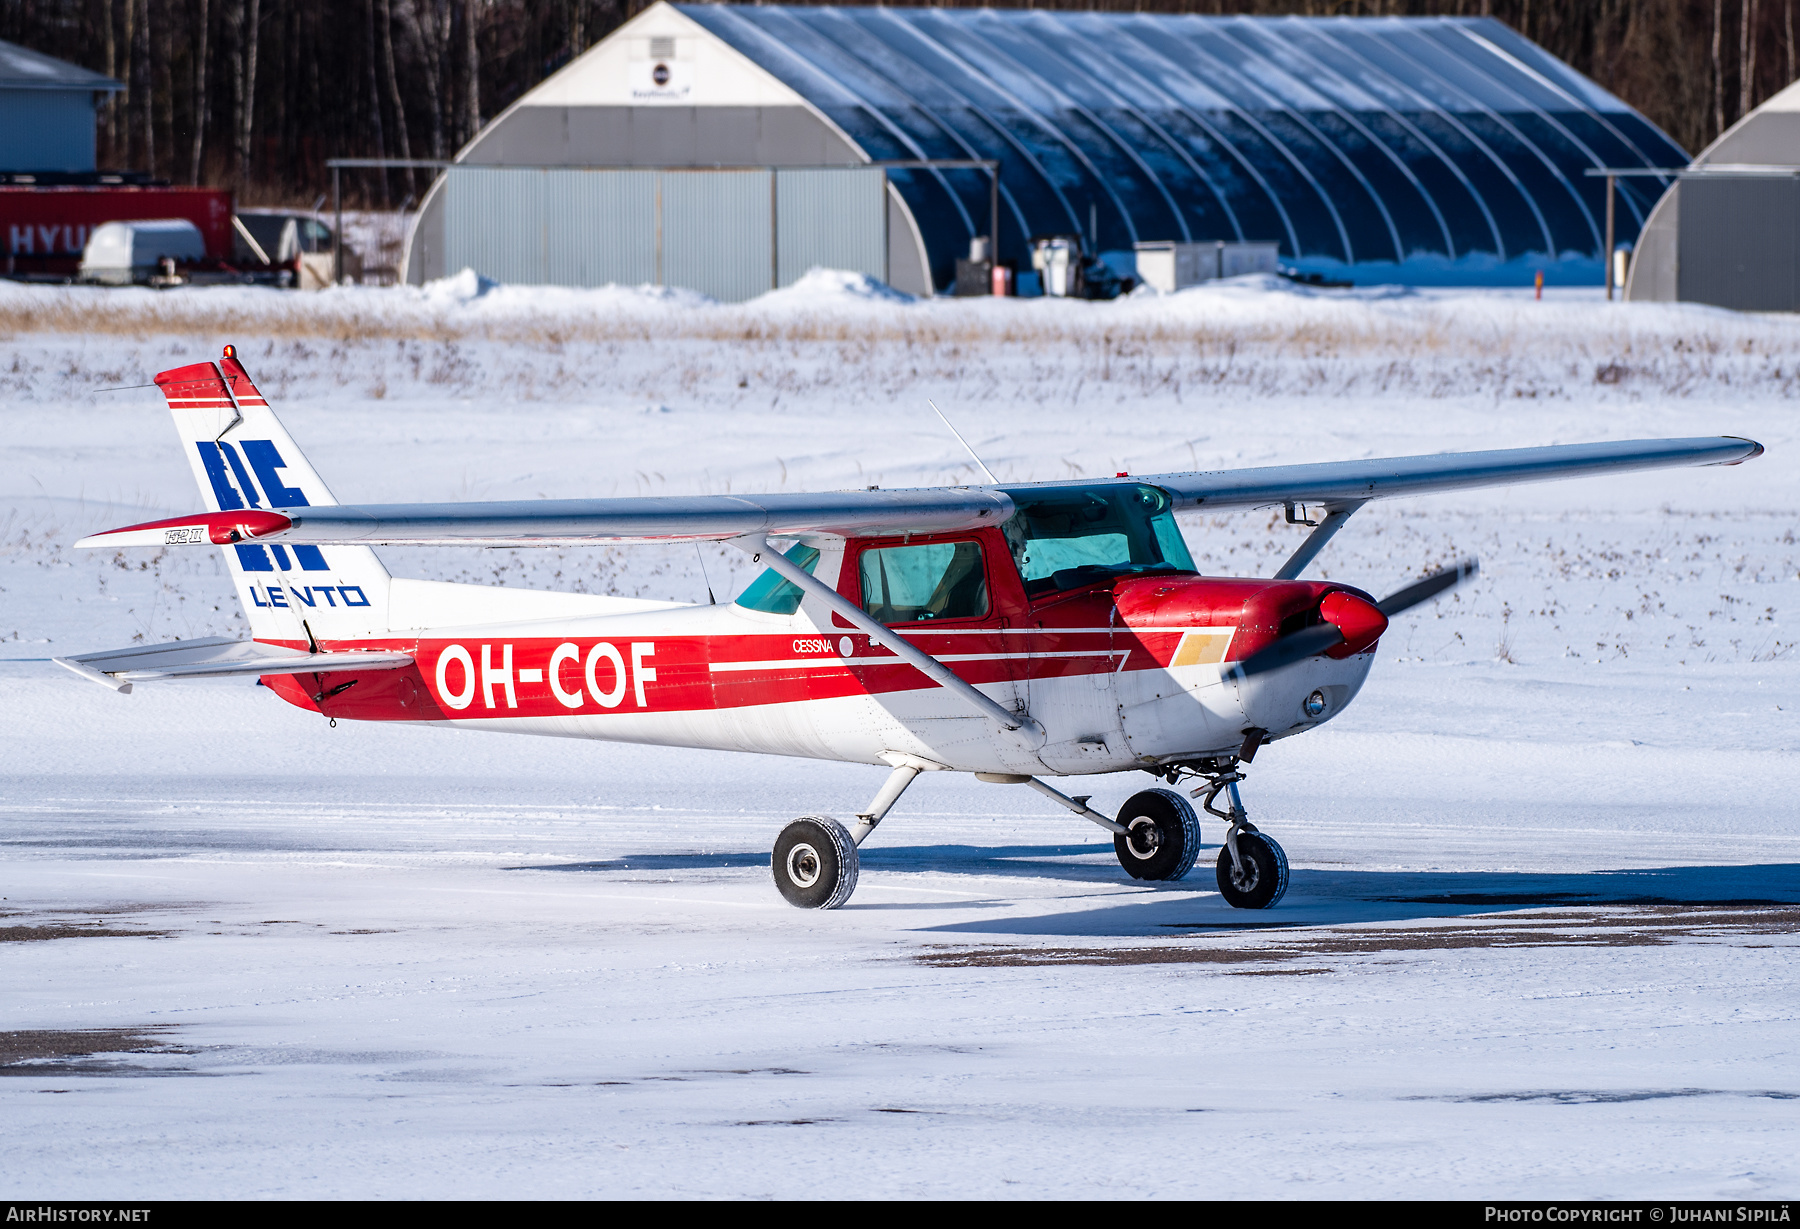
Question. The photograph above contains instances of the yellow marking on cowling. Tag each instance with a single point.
(1202, 648)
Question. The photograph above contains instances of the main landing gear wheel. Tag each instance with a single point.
(815, 863)
(1162, 835)
(1264, 879)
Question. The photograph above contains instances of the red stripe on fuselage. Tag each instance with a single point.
(1079, 634)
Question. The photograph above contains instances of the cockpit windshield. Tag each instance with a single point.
(1066, 537)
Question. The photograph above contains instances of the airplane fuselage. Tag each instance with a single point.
(1121, 673)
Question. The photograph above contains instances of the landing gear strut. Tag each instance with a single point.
(815, 862)
(1253, 869)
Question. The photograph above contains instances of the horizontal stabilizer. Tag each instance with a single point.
(217, 657)
(217, 528)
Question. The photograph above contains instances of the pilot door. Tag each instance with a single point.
(953, 596)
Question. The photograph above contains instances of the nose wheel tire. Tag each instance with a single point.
(1264, 879)
(1162, 835)
(815, 863)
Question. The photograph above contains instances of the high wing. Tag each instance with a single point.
(218, 657)
(551, 522)
(1356, 481)
(876, 512)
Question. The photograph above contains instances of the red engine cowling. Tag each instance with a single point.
(1262, 611)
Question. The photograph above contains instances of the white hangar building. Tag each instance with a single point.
(730, 147)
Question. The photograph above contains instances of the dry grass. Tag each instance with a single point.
(364, 317)
(1268, 345)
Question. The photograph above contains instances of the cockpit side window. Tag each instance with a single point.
(771, 593)
(1067, 537)
(930, 581)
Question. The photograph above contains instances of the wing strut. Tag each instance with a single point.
(757, 546)
(1335, 516)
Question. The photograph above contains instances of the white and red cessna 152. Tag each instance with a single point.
(1012, 631)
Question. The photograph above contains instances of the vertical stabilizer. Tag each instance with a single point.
(242, 457)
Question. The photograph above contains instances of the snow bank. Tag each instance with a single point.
(1262, 309)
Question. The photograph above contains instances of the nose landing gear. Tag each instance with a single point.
(1253, 869)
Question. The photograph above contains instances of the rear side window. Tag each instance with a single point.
(930, 581)
(771, 593)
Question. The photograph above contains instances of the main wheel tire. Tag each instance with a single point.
(815, 863)
(1163, 836)
(1265, 877)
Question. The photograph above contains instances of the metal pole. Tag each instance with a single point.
(1610, 181)
(993, 221)
(337, 238)
(774, 229)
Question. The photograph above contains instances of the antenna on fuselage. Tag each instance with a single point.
(710, 599)
(965, 443)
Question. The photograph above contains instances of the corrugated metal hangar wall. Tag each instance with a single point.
(731, 234)
(1417, 150)
(1728, 233)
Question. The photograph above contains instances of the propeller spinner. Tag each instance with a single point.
(1352, 621)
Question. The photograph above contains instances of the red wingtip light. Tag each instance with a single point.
(1359, 620)
(230, 351)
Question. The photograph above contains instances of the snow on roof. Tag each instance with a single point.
(24, 69)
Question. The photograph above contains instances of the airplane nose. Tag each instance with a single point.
(1359, 620)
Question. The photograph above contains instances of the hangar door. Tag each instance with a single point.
(730, 234)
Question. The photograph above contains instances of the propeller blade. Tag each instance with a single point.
(1307, 642)
(1430, 587)
(1355, 613)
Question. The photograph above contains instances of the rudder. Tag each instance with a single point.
(242, 457)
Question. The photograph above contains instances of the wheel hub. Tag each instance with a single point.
(1144, 837)
(803, 865)
(1243, 875)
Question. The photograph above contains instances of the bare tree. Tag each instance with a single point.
(471, 74)
(1746, 56)
(394, 99)
(199, 99)
(428, 62)
(1788, 16)
(127, 54)
(109, 66)
(252, 20)
(1718, 69)
(146, 86)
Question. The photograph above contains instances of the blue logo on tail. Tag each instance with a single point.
(223, 464)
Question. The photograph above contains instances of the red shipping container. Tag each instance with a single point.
(45, 229)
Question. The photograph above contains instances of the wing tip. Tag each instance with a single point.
(86, 671)
(1756, 450)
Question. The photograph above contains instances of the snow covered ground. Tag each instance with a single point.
(1540, 939)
